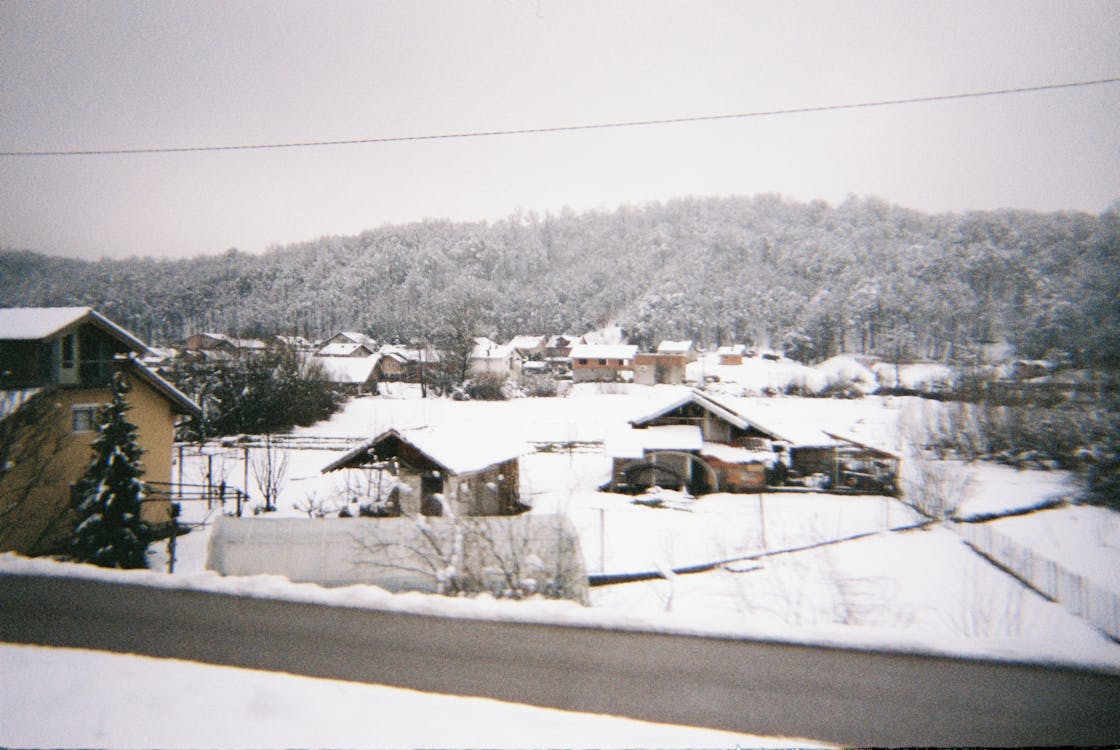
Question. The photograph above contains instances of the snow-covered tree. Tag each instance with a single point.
(109, 530)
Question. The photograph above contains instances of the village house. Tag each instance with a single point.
(290, 343)
(731, 355)
(438, 467)
(489, 358)
(345, 349)
(352, 337)
(354, 375)
(408, 364)
(602, 362)
(560, 347)
(707, 445)
(529, 347)
(202, 342)
(56, 368)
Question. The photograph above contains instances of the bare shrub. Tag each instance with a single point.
(270, 471)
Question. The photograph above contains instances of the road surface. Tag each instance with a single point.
(835, 695)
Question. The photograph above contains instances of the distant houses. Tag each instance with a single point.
(602, 362)
(707, 444)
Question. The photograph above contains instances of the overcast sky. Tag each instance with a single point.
(111, 75)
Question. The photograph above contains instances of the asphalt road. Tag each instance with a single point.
(840, 696)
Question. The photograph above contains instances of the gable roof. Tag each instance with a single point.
(458, 450)
(674, 347)
(181, 403)
(347, 370)
(34, 323)
(527, 342)
(727, 412)
(340, 349)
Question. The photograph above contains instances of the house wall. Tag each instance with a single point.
(40, 485)
(493, 491)
(598, 370)
(738, 477)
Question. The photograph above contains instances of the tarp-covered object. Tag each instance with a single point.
(505, 555)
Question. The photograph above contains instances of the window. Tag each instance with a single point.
(84, 417)
(583, 361)
(68, 346)
(602, 361)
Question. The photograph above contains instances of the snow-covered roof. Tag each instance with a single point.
(847, 437)
(34, 323)
(633, 443)
(792, 431)
(563, 339)
(348, 370)
(342, 350)
(733, 350)
(490, 350)
(730, 454)
(459, 449)
(254, 344)
(674, 347)
(184, 404)
(604, 351)
(356, 336)
(406, 354)
(527, 342)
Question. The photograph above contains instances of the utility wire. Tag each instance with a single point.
(568, 128)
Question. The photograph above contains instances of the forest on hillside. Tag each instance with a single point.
(863, 276)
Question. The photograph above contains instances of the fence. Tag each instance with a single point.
(211, 494)
(1079, 595)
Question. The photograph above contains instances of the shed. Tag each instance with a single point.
(478, 475)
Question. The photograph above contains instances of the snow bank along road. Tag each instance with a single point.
(844, 696)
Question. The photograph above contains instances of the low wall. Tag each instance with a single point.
(1079, 595)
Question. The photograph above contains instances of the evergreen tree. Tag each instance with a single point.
(109, 531)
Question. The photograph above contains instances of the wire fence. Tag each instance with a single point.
(1079, 595)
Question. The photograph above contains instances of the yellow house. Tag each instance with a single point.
(56, 367)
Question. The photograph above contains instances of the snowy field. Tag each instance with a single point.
(882, 578)
(801, 567)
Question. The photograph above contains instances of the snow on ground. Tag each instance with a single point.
(884, 593)
(916, 591)
(997, 489)
(920, 376)
(1085, 539)
(926, 584)
(75, 698)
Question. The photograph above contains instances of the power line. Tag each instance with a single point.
(568, 128)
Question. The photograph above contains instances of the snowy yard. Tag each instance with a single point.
(923, 588)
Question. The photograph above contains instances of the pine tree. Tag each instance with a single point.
(109, 531)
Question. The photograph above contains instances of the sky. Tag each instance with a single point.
(152, 74)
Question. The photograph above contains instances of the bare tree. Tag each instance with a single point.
(932, 485)
(270, 471)
(509, 557)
